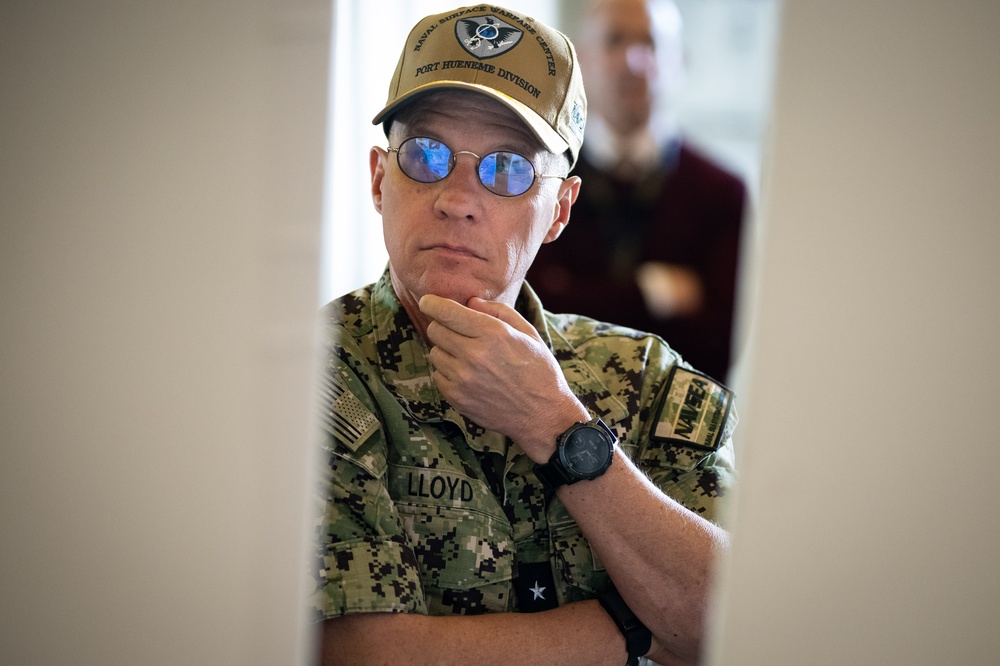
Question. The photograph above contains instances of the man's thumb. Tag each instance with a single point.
(504, 313)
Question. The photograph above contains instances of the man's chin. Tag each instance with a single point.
(464, 294)
(460, 293)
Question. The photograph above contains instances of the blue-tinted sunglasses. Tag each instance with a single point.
(427, 160)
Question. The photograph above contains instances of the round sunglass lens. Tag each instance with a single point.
(506, 174)
(424, 160)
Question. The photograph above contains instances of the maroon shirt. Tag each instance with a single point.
(690, 212)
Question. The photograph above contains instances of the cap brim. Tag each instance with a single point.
(541, 129)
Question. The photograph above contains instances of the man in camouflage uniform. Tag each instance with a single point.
(448, 386)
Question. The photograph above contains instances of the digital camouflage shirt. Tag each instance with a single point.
(426, 512)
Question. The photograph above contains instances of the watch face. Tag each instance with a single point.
(586, 451)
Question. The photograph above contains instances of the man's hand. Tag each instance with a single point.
(494, 368)
(670, 290)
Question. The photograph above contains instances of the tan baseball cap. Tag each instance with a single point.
(523, 63)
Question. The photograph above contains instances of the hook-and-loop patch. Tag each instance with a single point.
(344, 415)
(696, 411)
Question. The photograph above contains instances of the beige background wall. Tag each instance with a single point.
(161, 197)
(867, 527)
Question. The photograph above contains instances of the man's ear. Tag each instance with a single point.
(376, 164)
(569, 190)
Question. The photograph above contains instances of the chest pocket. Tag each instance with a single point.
(575, 563)
(460, 541)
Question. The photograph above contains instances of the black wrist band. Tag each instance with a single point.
(638, 638)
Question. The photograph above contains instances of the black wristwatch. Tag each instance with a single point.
(638, 639)
(583, 452)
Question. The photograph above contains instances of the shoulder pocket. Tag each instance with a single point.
(347, 419)
(695, 418)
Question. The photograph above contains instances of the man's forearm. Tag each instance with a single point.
(494, 367)
(659, 554)
(579, 633)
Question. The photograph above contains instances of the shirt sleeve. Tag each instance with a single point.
(364, 560)
(699, 483)
(689, 454)
(675, 423)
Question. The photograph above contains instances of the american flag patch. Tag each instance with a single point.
(343, 415)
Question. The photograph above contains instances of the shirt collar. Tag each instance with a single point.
(406, 370)
(644, 150)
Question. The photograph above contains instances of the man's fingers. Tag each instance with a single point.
(451, 315)
(504, 313)
(442, 361)
(473, 320)
(439, 335)
(433, 306)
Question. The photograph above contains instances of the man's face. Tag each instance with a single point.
(454, 238)
(628, 58)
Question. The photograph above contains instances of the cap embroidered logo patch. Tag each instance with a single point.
(487, 36)
(527, 66)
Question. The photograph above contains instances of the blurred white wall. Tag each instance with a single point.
(725, 107)
(866, 524)
(160, 208)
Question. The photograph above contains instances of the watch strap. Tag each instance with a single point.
(552, 474)
(638, 638)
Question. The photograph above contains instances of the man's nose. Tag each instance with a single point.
(467, 173)
(640, 58)
(457, 197)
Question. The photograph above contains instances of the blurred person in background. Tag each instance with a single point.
(655, 233)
